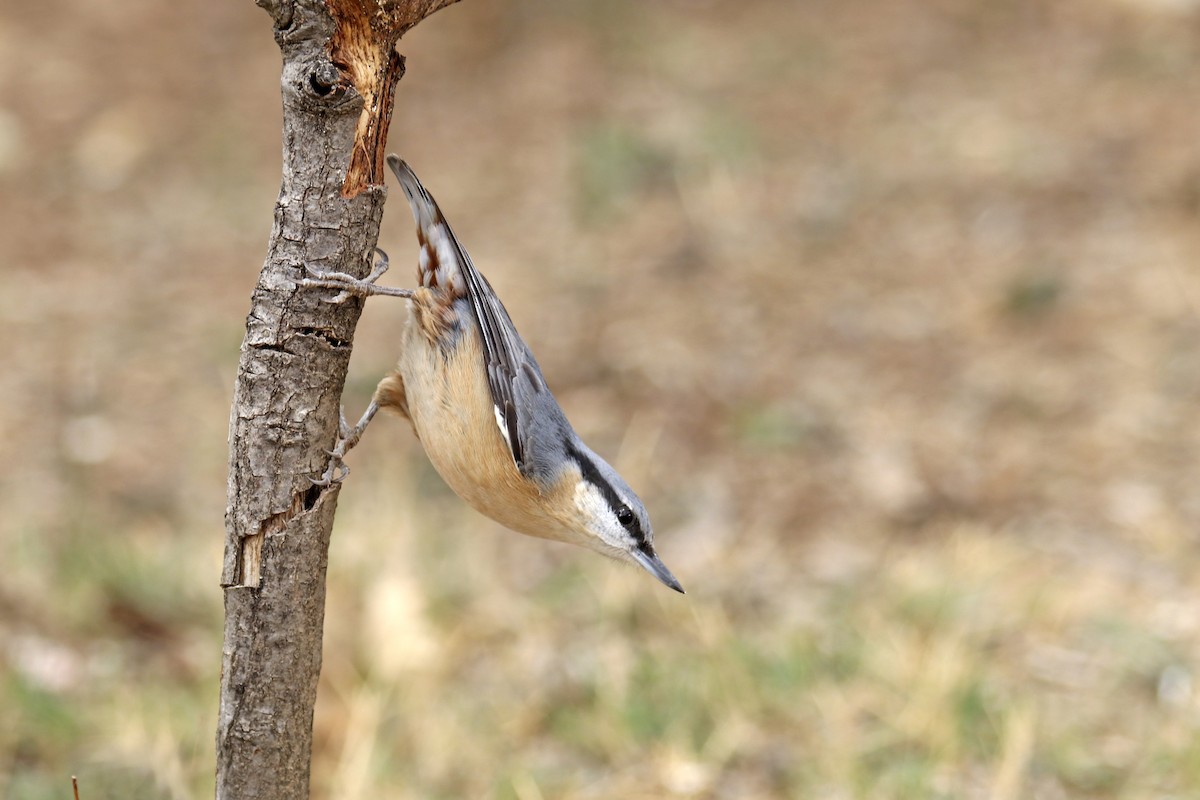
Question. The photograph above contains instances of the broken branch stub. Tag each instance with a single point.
(363, 47)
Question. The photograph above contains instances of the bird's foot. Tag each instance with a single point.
(337, 470)
(349, 286)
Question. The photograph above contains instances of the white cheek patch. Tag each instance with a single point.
(595, 510)
(588, 500)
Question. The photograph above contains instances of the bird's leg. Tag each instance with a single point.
(337, 470)
(349, 286)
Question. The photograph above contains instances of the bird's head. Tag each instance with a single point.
(606, 516)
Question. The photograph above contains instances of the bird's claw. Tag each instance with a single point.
(336, 471)
(334, 474)
(349, 286)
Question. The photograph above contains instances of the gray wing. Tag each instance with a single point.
(514, 377)
(518, 390)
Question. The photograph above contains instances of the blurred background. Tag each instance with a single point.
(890, 310)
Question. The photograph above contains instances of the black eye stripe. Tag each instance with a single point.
(592, 475)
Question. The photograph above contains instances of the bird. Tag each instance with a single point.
(481, 408)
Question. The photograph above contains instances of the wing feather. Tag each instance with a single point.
(506, 355)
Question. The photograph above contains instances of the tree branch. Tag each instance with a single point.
(340, 70)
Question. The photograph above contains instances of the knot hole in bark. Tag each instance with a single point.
(326, 79)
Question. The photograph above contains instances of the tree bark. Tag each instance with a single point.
(340, 69)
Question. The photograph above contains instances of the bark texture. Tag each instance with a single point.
(339, 74)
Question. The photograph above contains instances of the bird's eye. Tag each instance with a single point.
(625, 516)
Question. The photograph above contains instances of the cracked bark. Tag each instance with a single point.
(340, 70)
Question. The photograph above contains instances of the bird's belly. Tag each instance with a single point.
(452, 411)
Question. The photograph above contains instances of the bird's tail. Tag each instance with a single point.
(442, 257)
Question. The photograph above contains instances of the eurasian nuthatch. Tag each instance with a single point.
(480, 406)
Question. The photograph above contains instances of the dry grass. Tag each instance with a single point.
(889, 309)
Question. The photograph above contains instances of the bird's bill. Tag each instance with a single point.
(652, 564)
